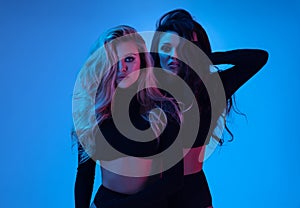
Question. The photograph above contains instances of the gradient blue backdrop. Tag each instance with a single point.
(43, 44)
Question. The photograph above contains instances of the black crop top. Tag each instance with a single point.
(129, 147)
(121, 143)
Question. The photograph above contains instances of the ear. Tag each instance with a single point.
(195, 38)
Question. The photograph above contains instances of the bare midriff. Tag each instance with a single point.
(193, 159)
(127, 175)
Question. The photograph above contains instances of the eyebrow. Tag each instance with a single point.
(130, 54)
(168, 43)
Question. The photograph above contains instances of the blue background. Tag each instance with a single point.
(43, 44)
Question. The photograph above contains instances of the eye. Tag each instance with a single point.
(129, 59)
(166, 48)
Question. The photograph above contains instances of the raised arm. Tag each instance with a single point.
(246, 63)
(84, 181)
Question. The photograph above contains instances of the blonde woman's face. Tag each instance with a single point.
(128, 65)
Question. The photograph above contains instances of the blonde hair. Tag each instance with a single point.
(96, 85)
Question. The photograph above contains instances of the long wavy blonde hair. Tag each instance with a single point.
(96, 85)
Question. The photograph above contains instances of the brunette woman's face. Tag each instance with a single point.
(129, 62)
(168, 47)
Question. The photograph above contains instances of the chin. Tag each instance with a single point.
(172, 71)
(126, 83)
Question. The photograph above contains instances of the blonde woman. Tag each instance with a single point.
(120, 65)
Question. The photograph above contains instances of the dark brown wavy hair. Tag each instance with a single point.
(182, 22)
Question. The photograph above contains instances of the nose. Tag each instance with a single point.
(174, 53)
(123, 66)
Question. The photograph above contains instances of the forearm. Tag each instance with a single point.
(241, 57)
(84, 183)
(246, 63)
(83, 192)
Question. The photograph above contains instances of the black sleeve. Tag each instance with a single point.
(170, 183)
(247, 62)
(84, 181)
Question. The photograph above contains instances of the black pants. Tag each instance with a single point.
(106, 198)
(196, 193)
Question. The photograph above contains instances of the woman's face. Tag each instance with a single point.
(128, 62)
(168, 52)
